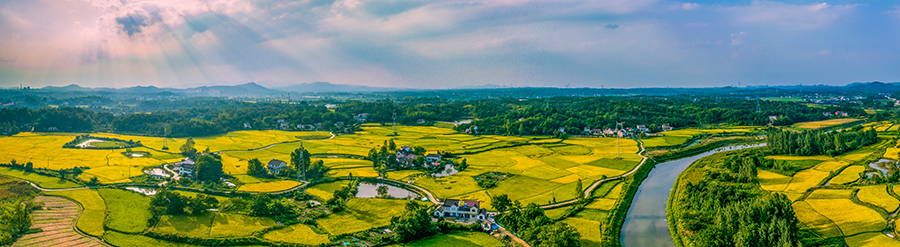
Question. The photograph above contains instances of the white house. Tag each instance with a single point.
(247, 126)
(643, 128)
(275, 166)
(667, 127)
(433, 157)
(461, 209)
(184, 168)
(361, 117)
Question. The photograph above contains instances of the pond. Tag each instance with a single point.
(882, 166)
(645, 224)
(145, 191)
(370, 190)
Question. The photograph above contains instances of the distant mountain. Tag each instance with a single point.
(246, 89)
(872, 87)
(319, 87)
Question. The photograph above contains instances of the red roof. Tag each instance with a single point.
(471, 203)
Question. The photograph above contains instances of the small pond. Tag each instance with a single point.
(882, 166)
(369, 190)
(447, 171)
(145, 191)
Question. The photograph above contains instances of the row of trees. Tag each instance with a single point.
(16, 205)
(819, 143)
(170, 202)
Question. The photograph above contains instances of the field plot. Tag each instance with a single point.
(824, 123)
(830, 194)
(94, 214)
(772, 181)
(877, 195)
(850, 217)
(457, 239)
(129, 240)
(849, 175)
(56, 221)
(802, 180)
(589, 230)
(273, 186)
(298, 234)
(212, 225)
(127, 211)
(325, 191)
(871, 239)
(816, 221)
(680, 136)
(361, 214)
(40, 180)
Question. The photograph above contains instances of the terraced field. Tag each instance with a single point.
(56, 219)
(824, 123)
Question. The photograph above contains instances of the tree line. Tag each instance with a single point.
(819, 143)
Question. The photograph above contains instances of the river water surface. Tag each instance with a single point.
(645, 224)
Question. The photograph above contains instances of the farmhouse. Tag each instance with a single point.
(841, 113)
(185, 167)
(275, 166)
(247, 126)
(642, 128)
(667, 127)
(361, 117)
(461, 209)
(433, 157)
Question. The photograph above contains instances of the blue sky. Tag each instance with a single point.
(448, 44)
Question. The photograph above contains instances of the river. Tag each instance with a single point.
(645, 224)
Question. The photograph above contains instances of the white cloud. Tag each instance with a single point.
(690, 6)
(789, 16)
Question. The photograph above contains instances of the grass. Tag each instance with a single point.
(298, 234)
(129, 240)
(269, 186)
(362, 214)
(41, 180)
(850, 217)
(127, 211)
(772, 181)
(457, 239)
(197, 226)
(823, 123)
(92, 218)
(830, 194)
(877, 195)
(873, 239)
(849, 175)
(663, 141)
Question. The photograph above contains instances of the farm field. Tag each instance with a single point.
(129, 240)
(823, 123)
(456, 239)
(40, 180)
(127, 211)
(55, 220)
(680, 136)
(878, 195)
(212, 225)
(94, 214)
(298, 234)
(849, 174)
(361, 214)
(273, 186)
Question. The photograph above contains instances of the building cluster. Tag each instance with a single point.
(626, 132)
(184, 168)
(461, 210)
(286, 125)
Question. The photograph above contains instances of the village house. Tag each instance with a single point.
(841, 113)
(772, 118)
(433, 157)
(52, 129)
(643, 128)
(184, 168)
(405, 155)
(339, 124)
(609, 132)
(361, 117)
(461, 209)
(275, 166)
(667, 127)
(420, 121)
(596, 132)
(586, 130)
(827, 114)
(247, 126)
(282, 124)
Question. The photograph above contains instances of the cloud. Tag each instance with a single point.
(690, 6)
(134, 22)
(611, 26)
(790, 16)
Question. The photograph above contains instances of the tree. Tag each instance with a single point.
(391, 145)
(29, 166)
(208, 168)
(259, 205)
(579, 191)
(501, 202)
(188, 148)
(167, 202)
(413, 224)
(382, 191)
(316, 171)
(255, 168)
(200, 203)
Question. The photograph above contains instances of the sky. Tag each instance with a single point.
(439, 44)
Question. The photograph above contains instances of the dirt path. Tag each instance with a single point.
(57, 220)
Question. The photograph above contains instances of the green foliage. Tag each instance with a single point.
(340, 197)
(809, 143)
(188, 148)
(208, 168)
(15, 218)
(537, 229)
(501, 202)
(414, 224)
(256, 168)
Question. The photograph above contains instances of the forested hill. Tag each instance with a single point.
(201, 117)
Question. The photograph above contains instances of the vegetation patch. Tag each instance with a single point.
(273, 186)
(871, 239)
(815, 221)
(490, 179)
(361, 214)
(298, 234)
(878, 195)
(457, 239)
(134, 240)
(852, 218)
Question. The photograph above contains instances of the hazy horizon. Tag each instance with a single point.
(448, 44)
